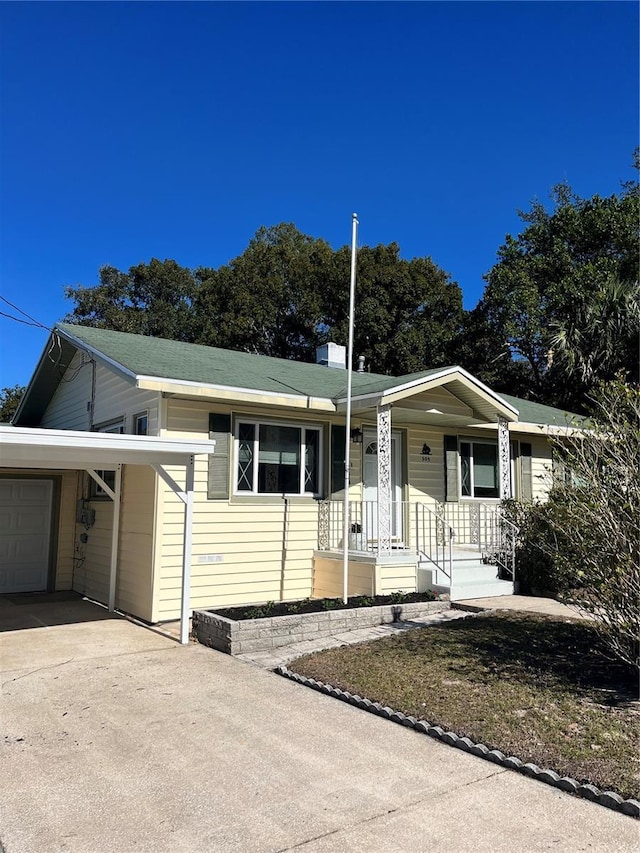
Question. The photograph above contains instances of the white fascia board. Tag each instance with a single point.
(80, 344)
(397, 392)
(533, 429)
(37, 448)
(547, 429)
(376, 396)
(210, 391)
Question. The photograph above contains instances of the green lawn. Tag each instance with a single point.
(539, 688)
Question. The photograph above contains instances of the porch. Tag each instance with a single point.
(463, 549)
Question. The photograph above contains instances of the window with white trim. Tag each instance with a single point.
(479, 476)
(140, 423)
(109, 477)
(277, 459)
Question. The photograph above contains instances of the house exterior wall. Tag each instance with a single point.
(114, 398)
(134, 578)
(256, 549)
(541, 470)
(245, 549)
(92, 385)
(68, 406)
(66, 531)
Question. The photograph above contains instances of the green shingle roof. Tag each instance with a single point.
(536, 413)
(179, 361)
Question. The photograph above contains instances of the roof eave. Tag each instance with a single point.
(210, 391)
(416, 386)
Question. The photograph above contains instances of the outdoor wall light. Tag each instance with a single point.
(356, 436)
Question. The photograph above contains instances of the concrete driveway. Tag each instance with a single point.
(118, 739)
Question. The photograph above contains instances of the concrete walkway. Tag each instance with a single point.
(118, 739)
(525, 603)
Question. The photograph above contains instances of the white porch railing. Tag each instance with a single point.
(362, 526)
(483, 527)
(434, 539)
(439, 533)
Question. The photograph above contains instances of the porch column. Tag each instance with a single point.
(383, 419)
(504, 459)
(115, 534)
(186, 551)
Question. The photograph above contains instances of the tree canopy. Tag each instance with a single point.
(283, 296)
(9, 401)
(560, 311)
(150, 299)
(563, 297)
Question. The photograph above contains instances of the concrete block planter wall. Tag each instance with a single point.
(256, 635)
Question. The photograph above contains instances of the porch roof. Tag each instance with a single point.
(477, 397)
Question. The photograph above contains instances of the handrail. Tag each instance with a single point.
(499, 543)
(434, 537)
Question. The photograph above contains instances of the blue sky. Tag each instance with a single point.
(174, 130)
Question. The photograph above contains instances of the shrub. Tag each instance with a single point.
(584, 542)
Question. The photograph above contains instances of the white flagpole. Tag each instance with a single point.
(347, 437)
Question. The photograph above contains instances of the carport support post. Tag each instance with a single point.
(186, 552)
(115, 535)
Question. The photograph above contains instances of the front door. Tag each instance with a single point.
(370, 485)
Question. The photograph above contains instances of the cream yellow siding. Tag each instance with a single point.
(117, 397)
(541, 471)
(328, 579)
(66, 530)
(134, 571)
(91, 575)
(395, 576)
(426, 471)
(69, 406)
(244, 549)
(112, 396)
(365, 577)
(134, 579)
(249, 550)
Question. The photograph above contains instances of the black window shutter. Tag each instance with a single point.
(218, 478)
(451, 468)
(338, 435)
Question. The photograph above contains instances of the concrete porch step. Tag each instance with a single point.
(471, 579)
(486, 589)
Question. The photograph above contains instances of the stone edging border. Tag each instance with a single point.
(609, 799)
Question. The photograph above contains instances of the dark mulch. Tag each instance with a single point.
(540, 688)
(318, 605)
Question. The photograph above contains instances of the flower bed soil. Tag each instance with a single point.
(319, 605)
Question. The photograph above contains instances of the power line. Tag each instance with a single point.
(34, 322)
(36, 325)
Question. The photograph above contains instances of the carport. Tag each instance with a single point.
(49, 449)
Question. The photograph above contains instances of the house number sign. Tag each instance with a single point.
(426, 453)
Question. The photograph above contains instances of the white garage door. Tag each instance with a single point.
(25, 527)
